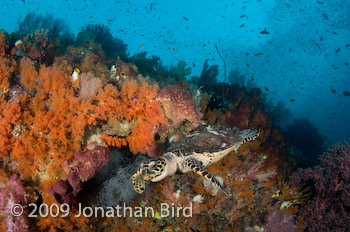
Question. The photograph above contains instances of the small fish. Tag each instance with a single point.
(142, 46)
(4, 90)
(198, 92)
(346, 93)
(325, 15)
(121, 30)
(18, 43)
(75, 74)
(242, 16)
(337, 50)
(264, 32)
(318, 45)
(346, 63)
(185, 18)
(276, 193)
(247, 53)
(292, 100)
(242, 25)
(259, 54)
(266, 89)
(110, 20)
(320, 2)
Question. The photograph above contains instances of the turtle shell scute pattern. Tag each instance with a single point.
(205, 142)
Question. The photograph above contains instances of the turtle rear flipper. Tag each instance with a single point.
(249, 135)
(138, 181)
(198, 168)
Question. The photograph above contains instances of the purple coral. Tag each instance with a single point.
(329, 208)
(12, 193)
(82, 168)
(280, 222)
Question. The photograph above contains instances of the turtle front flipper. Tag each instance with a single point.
(138, 181)
(198, 168)
(152, 170)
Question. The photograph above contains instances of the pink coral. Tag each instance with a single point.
(277, 221)
(12, 193)
(256, 173)
(35, 54)
(328, 210)
(178, 106)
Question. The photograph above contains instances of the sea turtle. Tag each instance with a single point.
(192, 153)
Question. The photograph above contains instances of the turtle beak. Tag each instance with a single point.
(139, 181)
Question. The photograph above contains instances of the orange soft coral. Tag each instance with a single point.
(4, 44)
(7, 67)
(134, 104)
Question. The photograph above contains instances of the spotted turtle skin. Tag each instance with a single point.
(192, 153)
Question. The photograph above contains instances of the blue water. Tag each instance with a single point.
(299, 56)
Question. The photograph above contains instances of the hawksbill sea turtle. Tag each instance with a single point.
(192, 153)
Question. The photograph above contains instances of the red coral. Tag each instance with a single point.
(178, 106)
(82, 168)
(86, 164)
(35, 54)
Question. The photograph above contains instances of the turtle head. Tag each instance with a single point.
(151, 170)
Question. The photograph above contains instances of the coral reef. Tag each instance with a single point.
(277, 221)
(328, 210)
(118, 189)
(208, 76)
(82, 168)
(178, 106)
(12, 193)
(113, 47)
(65, 108)
(46, 115)
(180, 110)
(146, 66)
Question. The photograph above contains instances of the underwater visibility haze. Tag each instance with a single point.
(175, 115)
